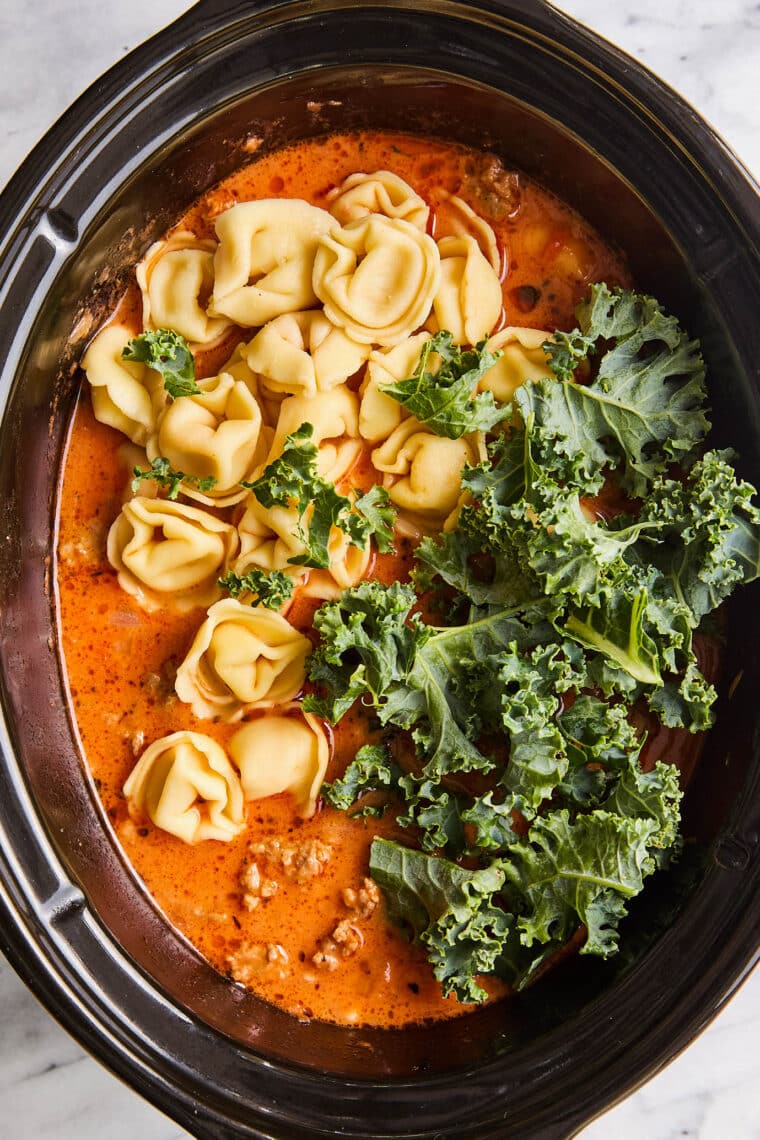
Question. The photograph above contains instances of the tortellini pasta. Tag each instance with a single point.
(468, 300)
(186, 785)
(263, 266)
(242, 657)
(217, 433)
(125, 395)
(269, 538)
(380, 414)
(377, 278)
(455, 218)
(380, 193)
(302, 354)
(334, 416)
(176, 278)
(522, 360)
(268, 400)
(428, 470)
(348, 565)
(282, 753)
(169, 554)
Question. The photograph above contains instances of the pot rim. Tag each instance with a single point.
(54, 980)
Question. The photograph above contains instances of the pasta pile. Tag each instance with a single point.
(339, 303)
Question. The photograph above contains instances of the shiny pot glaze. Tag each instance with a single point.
(157, 130)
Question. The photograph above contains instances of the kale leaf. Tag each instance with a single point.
(162, 473)
(448, 909)
(709, 531)
(370, 770)
(267, 588)
(366, 645)
(643, 410)
(442, 397)
(168, 353)
(293, 481)
(582, 870)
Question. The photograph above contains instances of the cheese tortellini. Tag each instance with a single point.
(456, 218)
(282, 753)
(317, 297)
(377, 278)
(522, 360)
(169, 554)
(125, 395)
(380, 414)
(186, 785)
(270, 538)
(217, 433)
(468, 300)
(380, 193)
(242, 657)
(334, 417)
(176, 278)
(263, 266)
(302, 354)
(348, 565)
(427, 469)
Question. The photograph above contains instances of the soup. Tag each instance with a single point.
(218, 517)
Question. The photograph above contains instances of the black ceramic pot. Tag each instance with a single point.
(157, 130)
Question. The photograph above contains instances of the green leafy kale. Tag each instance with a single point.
(371, 770)
(167, 352)
(416, 676)
(643, 410)
(708, 530)
(442, 398)
(438, 813)
(375, 514)
(617, 629)
(531, 687)
(162, 473)
(582, 870)
(293, 481)
(267, 588)
(522, 713)
(448, 909)
(367, 645)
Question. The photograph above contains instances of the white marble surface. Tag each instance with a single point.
(709, 50)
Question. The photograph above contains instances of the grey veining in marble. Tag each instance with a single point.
(709, 50)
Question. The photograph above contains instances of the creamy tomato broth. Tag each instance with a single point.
(279, 896)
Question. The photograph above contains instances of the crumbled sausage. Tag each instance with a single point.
(258, 960)
(323, 960)
(160, 685)
(344, 941)
(363, 901)
(137, 742)
(255, 887)
(299, 861)
(346, 937)
(493, 190)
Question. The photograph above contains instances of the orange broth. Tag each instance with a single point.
(119, 658)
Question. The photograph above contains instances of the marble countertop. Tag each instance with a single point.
(49, 52)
